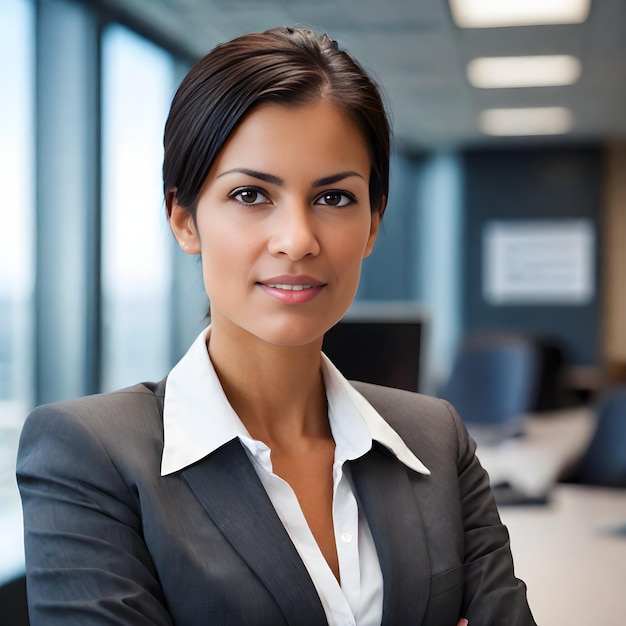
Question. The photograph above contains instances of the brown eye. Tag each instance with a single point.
(335, 198)
(249, 196)
(332, 198)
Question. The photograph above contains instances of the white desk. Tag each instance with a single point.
(550, 447)
(570, 557)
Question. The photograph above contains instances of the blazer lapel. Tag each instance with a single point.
(230, 491)
(391, 508)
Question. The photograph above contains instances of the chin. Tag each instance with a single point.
(292, 339)
(295, 333)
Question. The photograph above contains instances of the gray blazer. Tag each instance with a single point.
(111, 541)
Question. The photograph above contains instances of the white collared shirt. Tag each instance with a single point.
(198, 419)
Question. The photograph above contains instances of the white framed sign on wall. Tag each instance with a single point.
(539, 262)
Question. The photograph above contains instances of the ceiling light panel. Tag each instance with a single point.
(498, 13)
(530, 121)
(523, 71)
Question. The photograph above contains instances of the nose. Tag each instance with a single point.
(294, 233)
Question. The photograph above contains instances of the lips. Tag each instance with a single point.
(291, 282)
(289, 289)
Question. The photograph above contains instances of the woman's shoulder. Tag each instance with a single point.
(400, 402)
(414, 416)
(116, 413)
(121, 429)
(134, 397)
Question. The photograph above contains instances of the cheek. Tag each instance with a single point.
(227, 256)
(353, 246)
(215, 236)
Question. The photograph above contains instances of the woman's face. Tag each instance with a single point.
(283, 223)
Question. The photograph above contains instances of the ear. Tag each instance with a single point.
(374, 227)
(183, 226)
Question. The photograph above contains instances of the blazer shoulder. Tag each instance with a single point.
(424, 423)
(135, 395)
(399, 404)
(113, 414)
(124, 427)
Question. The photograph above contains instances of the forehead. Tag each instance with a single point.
(314, 135)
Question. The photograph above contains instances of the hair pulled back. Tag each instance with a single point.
(286, 66)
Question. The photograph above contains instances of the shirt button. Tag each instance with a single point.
(346, 537)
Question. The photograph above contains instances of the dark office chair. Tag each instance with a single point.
(493, 385)
(550, 392)
(604, 462)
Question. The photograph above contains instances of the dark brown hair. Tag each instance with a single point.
(287, 66)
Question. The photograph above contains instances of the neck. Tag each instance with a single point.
(277, 391)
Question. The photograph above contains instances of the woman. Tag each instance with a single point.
(256, 485)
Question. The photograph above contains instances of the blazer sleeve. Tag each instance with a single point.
(492, 596)
(86, 561)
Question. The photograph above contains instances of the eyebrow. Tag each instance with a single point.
(276, 180)
(335, 178)
(267, 178)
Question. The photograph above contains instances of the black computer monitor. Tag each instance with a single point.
(378, 344)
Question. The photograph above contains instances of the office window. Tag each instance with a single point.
(136, 243)
(16, 259)
(16, 233)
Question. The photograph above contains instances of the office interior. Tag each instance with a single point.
(506, 224)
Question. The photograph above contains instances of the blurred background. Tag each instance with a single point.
(498, 280)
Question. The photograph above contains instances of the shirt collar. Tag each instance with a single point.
(198, 419)
(344, 399)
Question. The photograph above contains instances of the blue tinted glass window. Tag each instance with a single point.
(17, 261)
(136, 242)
